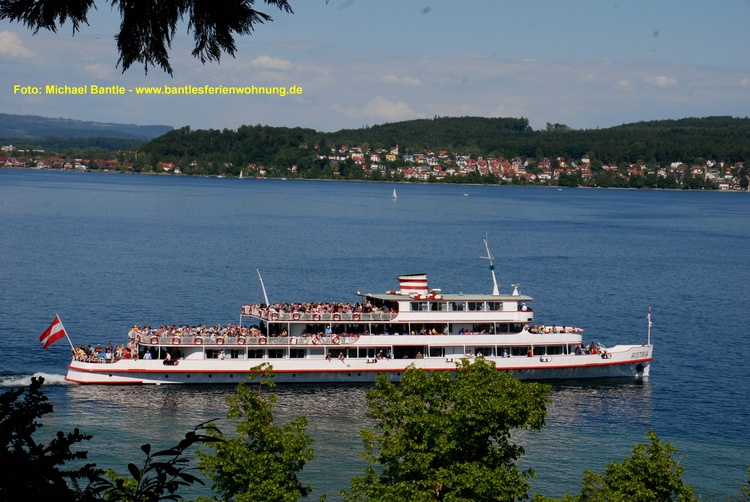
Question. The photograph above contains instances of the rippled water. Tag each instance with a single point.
(108, 251)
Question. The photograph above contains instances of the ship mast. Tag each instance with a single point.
(265, 296)
(495, 290)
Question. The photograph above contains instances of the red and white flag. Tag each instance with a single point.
(52, 334)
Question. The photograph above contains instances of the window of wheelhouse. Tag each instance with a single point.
(424, 306)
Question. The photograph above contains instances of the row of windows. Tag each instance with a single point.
(456, 306)
(400, 352)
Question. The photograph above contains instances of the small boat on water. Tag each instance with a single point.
(334, 342)
(394, 194)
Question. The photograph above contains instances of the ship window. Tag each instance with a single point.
(414, 306)
(476, 306)
(297, 353)
(519, 351)
(459, 306)
(255, 353)
(276, 353)
(497, 306)
(437, 351)
(555, 350)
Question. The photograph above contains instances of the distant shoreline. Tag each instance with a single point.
(108, 171)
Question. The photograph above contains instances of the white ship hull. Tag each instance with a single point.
(631, 362)
(384, 333)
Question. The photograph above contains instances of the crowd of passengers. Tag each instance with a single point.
(107, 354)
(214, 332)
(542, 329)
(208, 333)
(321, 308)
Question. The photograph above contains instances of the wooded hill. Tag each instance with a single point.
(32, 131)
(686, 140)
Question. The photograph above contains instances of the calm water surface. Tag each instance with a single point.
(107, 251)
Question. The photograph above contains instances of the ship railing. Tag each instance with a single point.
(316, 317)
(221, 341)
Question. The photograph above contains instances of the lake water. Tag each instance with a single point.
(106, 251)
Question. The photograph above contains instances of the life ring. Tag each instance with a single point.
(296, 316)
(262, 340)
(356, 317)
(315, 340)
(241, 340)
(335, 339)
(293, 341)
(199, 340)
(336, 317)
(274, 316)
(220, 340)
(316, 317)
(176, 340)
(154, 340)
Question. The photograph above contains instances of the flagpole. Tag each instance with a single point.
(72, 348)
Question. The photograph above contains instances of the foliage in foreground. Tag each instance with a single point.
(435, 438)
(262, 462)
(162, 475)
(651, 474)
(444, 437)
(36, 470)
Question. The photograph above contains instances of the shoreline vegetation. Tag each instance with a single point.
(709, 153)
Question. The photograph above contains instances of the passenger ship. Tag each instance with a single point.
(382, 333)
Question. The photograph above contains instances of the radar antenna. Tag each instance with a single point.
(495, 290)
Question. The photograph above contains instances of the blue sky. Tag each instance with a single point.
(583, 63)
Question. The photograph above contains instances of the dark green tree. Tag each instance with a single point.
(33, 471)
(262, 462)
(440, 436)
(163, 473)
(651, 474)
(148, 26)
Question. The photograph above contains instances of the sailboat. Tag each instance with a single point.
(240, 174)
(394, 194)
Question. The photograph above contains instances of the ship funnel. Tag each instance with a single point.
(410, 284)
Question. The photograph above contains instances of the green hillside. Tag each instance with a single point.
(720, 138)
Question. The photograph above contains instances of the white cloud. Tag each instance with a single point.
(624, 85)
(661, 81)
(381, 108)
(393, 79)
(271, 63)
(99, 70)
(745, 82)
(12, 46)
